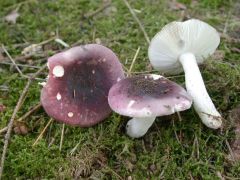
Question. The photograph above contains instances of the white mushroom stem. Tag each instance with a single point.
(196, 88)
(138, 127)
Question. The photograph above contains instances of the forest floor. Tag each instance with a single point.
(172, 149)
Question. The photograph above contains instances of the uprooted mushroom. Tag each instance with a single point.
(182, 46)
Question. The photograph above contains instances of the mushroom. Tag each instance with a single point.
(182, 46)
(77, 87)
(144, 97)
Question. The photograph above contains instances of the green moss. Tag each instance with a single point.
(25, 161)
(168, 150)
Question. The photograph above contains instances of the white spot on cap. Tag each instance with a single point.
(118, 79)
(130, 104)
(42, 83)
(146, 112)
(183, 105)
(178, 107)
(70, 114)
(145, 77)
(133, 112)
(155, 76)
(59, 97)
(58, 71)
(93, 71)
(104, 60)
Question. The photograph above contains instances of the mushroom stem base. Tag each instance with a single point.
(138, 127)
(196, 88)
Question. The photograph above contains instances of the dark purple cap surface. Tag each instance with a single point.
(148, 96)
(78, 84)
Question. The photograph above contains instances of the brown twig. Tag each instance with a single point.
(21, 65)
(226, 63)
(16, 46)
(227, 22)
(176, 135)
(180, 119)
(3, 130)
(133, 61)
(230, 151)
(10, 124)
(23, 58)
(125, 68)
(62, 135)
(116, 174)
(51, 141)
(24, 116)
(137, 20)
(179, 116)
(18, 5)
(33, 109)
(145, 72)
(103, 7)
(46, 41)
(43, 131)
(195, 147)
(174, 76)
(191, 177)
(10, 57)
(219, 175)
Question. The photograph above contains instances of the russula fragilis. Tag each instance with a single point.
(182, 46)
(145, 97)
(78, 83)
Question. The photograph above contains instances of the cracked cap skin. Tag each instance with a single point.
(78, 83)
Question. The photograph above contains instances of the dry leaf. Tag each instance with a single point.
(236, 149)
(60, 41)
(98, 41)
(174, 5)
(83, 163)
(12, 16)
(129, 178)
(235, 49)
(234, 117)
(149, 67)
(235, 145)
(20, 128)
(32, 50)
(129, 166)
(218, 55)
(2, 58)
(153, 167)
(194, 3)
(2, 107)
(110, 10)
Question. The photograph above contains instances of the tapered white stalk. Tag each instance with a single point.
(138, 127)
(196, 88)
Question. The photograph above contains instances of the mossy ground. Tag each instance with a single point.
(172, 149)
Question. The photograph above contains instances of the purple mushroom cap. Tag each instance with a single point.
(78, 84)
(148, 96)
